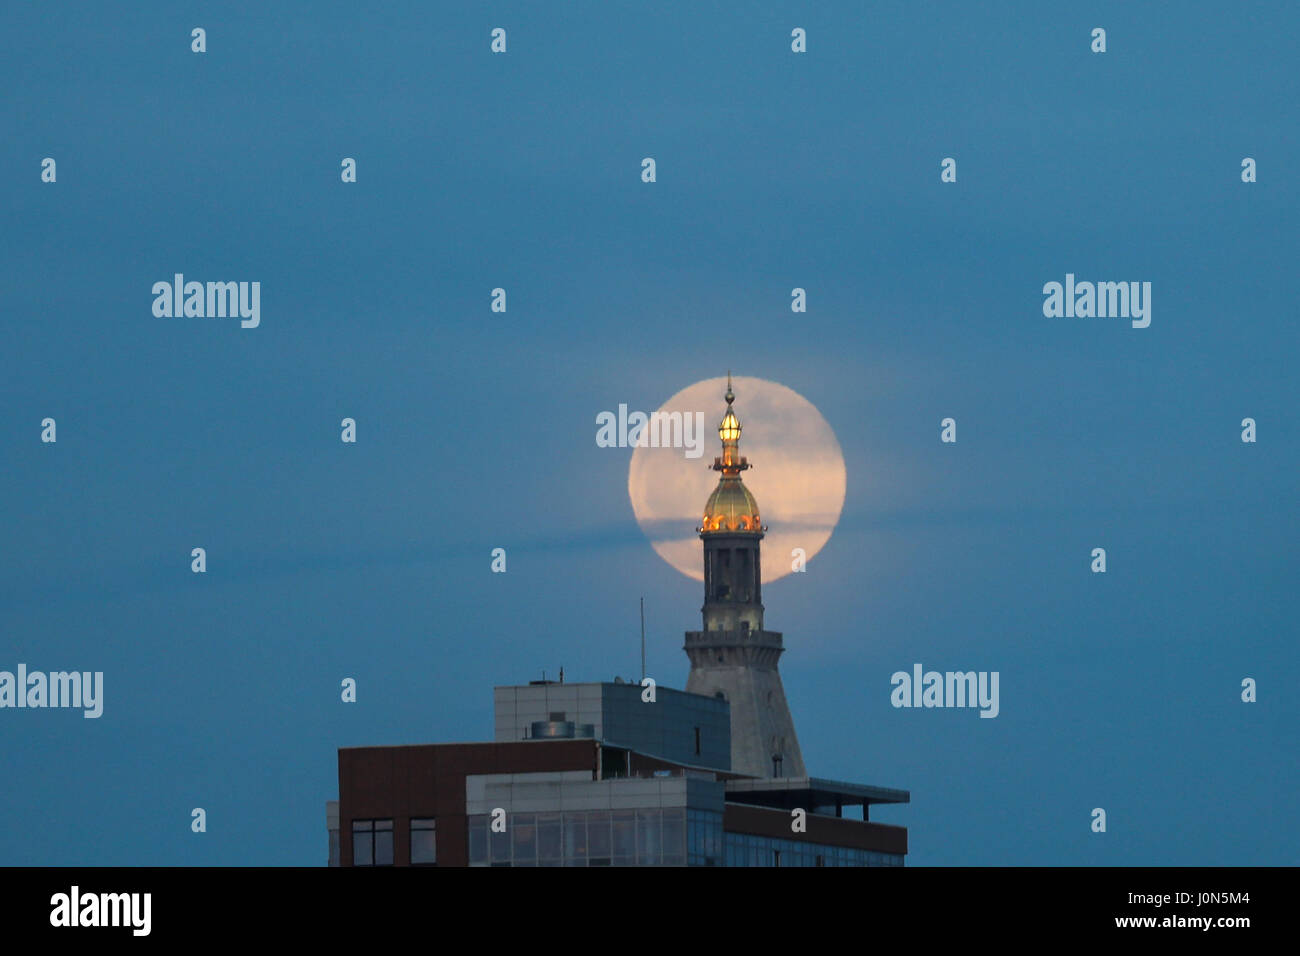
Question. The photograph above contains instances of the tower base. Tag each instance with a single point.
(742, 667)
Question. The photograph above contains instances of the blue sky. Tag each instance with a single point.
(476, 430)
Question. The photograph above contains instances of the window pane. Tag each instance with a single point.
(424, 847)
(383, 824)
(649, 838)
(478, 839)
(598, 840)
(499, 843)
(624, 822)
(575, 839)
(384, 848)
(363, 850)
(674, 822)
(548, 836)
(525, 838)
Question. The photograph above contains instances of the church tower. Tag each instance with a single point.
(734, 657)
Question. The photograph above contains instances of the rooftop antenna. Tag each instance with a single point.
(643, 639)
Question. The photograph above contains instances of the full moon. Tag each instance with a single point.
(796, 474)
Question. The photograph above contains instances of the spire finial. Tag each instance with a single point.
(730, 464)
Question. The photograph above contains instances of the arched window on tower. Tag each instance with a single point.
(722, 578)
(743, 576)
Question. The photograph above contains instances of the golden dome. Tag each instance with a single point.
(731, 507)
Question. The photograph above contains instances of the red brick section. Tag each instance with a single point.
(399, 783)
(760, 821)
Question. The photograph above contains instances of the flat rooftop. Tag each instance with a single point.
(811, 791)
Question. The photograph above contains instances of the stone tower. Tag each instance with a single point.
(734, 657)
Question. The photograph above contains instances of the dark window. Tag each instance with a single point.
(674, 834)
(524, 827)
(697, 740)
(722, 583)
(549, 838)
(478, 842)
(575, 839)
(557, 715)
(598, 837)
(424, 841)
(776, 857)
(649, 837)
(372, 842)
(624, 827)
(498, 845)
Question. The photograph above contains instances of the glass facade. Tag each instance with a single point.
(644, 837)
(704, 838)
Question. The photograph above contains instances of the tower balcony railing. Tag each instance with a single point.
(733, 638)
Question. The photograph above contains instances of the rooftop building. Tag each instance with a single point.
(651, 788)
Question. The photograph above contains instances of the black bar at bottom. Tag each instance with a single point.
(337, 906)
